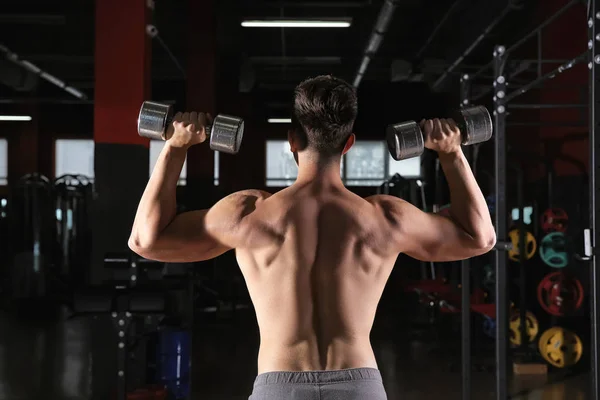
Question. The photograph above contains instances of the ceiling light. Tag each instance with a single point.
(15, 118)
(300, 23)
(279, 120)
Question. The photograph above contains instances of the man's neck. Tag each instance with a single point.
(312, 169)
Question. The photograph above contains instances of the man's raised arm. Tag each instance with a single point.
(468, 231)
(159, 234)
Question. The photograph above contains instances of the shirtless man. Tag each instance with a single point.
(315, 256)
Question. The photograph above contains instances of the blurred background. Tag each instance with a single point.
(81, 317)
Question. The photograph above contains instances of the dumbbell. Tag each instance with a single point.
(405, 139)
(226, 131)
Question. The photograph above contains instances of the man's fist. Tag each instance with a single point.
(188, 129)
(441, 135)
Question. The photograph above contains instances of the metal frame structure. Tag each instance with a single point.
(501, 101)
(593, 19)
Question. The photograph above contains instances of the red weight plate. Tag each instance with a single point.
(555, 220)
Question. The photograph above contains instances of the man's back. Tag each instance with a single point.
(315, 256)
(316, 262)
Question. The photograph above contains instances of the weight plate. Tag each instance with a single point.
(532, 327)
(530, 245)
(489, 327)
(559, 295)
(553, 250)
(555, 220)
(560, 347)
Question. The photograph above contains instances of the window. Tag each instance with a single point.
(410, 168)
(368, 163)
(3, 162)
(74, 156)
(281, 166)
(155, 148)
(365, 164)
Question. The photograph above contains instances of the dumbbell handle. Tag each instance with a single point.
(158, 114)
(405, 139)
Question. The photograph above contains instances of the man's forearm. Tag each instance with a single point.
(467, 204)
(158, 205)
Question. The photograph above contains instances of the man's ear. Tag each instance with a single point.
(292, 141)
(349, 143)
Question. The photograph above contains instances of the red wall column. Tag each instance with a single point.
(201, 87)
(122, 70)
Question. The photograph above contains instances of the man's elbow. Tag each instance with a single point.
(485, 241)
(140, 245)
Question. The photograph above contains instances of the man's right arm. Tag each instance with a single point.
(468, 231)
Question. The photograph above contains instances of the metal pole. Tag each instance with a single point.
(550, 75)
(594, 183)
(540, 106)
(542, 25)
(500, 256)
(466, 288)
(439, 25)
(468, 51)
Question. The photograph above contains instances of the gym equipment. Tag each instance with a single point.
(489, 326)
(225, 133)
(552, 250)
(32, 236)
(405, 139)
(559, 294)
(173, 362)
(74, 194)
(560, 347)
(530, 245)
(489, 278)
(555, 220)
(532, 327)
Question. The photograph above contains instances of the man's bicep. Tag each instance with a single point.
(424, 236)
(432, 237)
(187, 239)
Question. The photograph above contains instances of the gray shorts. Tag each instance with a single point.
(346, 384)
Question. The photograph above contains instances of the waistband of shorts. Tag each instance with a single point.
(318, 377)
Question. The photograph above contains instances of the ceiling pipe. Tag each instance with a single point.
(377, 35)
(43, 74)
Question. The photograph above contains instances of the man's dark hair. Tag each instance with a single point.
(324, 111)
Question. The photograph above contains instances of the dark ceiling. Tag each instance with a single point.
(58, 37)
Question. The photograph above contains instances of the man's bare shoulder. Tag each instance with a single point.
(392, 205)
(240, 204)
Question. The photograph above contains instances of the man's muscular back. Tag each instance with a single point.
(316, 261)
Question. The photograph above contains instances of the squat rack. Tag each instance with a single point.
(591, 235)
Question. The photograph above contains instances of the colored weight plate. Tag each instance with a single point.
(559, 295)
(553, 250)
(532, 327)
(555, 220)
(560, 347)
(489, 327)
(489, 278)
(530, 245)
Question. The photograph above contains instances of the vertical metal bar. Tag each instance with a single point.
(539, 53)
(500, 256)
(594, 182)
(465, 287)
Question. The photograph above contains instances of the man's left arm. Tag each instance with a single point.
(159, 234)
(204, 234)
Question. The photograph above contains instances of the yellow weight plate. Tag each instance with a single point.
(530, 245)
(515, 327)
(560, 347)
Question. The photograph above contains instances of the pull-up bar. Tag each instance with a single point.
(550, 75)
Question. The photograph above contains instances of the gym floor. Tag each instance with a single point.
(54, 358)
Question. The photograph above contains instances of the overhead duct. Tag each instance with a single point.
(32, 68)
(377, 35)
(12, 75)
